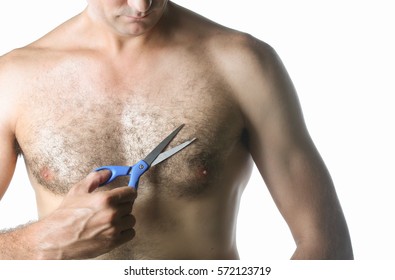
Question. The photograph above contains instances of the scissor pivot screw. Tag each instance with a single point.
(141, 166)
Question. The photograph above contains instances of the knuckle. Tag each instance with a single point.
(104, 199)
(111, 233)
(110, 216)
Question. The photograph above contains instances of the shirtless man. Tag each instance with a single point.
(105, 87)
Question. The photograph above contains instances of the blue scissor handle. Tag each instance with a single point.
(134, 172)
(137, 170)
(116, 171)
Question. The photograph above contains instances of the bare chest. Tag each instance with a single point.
(73, 123)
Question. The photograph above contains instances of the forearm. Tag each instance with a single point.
(19, 243)
(30, 242)
(325, 249)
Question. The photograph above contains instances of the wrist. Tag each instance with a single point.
(42, 244)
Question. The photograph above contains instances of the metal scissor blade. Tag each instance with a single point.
(169, 153)
(162, 145)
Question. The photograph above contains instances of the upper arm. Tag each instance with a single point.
(8, 154)
(282, 149)
(7, 158)
(279, 140)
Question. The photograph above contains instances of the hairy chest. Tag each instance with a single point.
(73, 123)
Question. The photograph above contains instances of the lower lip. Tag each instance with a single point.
(135, 19)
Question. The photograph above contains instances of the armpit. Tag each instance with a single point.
(17, 148)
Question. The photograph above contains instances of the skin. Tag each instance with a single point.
(116, 79)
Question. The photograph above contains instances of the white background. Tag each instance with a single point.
(340, 55)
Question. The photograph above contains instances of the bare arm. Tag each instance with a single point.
(12, 240)
(287, 158)
(8, 154)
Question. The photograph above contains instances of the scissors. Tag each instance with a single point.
(154, 157)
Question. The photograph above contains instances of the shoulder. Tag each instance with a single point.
(230, 48)
(226, 48)
(10, 65)
(54, 44)
(21, 65)
(208, 31)
(242, 52)
(19, 70)
(8, 82)
(249, 65)
(26, 62)
(18, 57)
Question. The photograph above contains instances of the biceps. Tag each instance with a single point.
(303, 190)
(298, 180)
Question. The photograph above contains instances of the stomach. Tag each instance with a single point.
(181, 230)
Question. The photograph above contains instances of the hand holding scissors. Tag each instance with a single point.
(154, 157)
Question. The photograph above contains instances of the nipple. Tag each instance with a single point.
(46, 174)
(202, 172)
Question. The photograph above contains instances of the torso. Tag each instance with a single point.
(81, 111)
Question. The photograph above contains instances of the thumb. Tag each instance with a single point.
(92, 181)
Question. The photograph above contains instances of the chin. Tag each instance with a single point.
(135, 28)
(133, 33)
